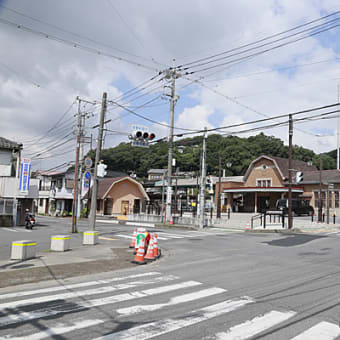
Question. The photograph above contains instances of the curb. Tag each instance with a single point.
(273, 231)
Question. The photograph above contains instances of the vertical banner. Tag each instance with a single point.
(25, 174)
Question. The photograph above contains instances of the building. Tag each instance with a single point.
(61, 193)
(265, 181)
(119, 196)
(14, 202)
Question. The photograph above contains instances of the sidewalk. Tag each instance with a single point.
(60, 265)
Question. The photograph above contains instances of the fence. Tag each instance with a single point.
(6, 206)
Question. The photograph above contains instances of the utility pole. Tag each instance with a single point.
(203, 175)
(75, 180)
(172, 73)
(92, 220)
(290, 220)
(81, 157)
(320, 191)
(338, 132)
(218, 213)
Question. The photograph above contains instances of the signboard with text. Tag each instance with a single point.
(25, 174)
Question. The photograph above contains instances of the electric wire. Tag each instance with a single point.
(75, 44)
(260, 40)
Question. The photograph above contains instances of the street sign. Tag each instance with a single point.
(330, 186)
(88, 162)
(25, 175)
(87, 174)
(140, 143)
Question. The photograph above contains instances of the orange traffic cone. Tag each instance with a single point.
(156, 252)
(139, 258)
(171, 220)
(248, 226)
(149, 255)
(133, 241)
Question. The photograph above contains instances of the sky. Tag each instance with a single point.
(54, 51)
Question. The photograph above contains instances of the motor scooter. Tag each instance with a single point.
(29, 221)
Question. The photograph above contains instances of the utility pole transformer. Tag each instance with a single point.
(92, 221)
(203, 175)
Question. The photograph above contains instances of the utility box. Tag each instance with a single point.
(23, 250)
(60, 242)
(90, 237)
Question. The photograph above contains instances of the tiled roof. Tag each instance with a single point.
(296, 164)
(327, 176)
(104, 185)
(7, 144)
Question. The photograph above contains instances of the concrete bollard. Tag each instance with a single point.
(60, 242)
(23, 250)
(90, 237)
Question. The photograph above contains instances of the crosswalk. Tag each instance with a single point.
(143, 306)
(15, 230)
(166, 236)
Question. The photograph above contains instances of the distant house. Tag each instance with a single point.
(119, 196)
(155, 175)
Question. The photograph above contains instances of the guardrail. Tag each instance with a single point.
(273, 215)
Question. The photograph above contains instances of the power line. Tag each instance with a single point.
(74, 44)
(72, 33)
(260, 40)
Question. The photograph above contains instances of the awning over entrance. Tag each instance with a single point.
(261, 189)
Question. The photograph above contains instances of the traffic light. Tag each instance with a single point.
(299, 176)
(141, 138)
(101, 172)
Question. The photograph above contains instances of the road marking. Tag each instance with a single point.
(125, 236)
(57, 330)
(170, 235)
(71, 295)
(164, 326)
(8, 229)
(62, 308)
(107, 238)
(75, 285)
(173, 301)
(322, 331)
(107, 221)
(140, 224)
(252, 327)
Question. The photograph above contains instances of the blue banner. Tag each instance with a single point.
(25, 175)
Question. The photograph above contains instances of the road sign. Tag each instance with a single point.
(330, 186)
(25, 175)
(139, 143)
(87, 174)
(88, 162)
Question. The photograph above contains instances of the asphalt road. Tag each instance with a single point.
(219, 286)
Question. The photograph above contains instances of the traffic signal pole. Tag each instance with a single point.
(92, 220)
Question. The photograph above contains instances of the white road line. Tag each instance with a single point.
(140, 224)
(75, 285)
(108, 221)
(10, 319)
(255, 326)
(71, 295)
(170, 235)
(173, 301)
(8, 229)
(57, 330)
(322, 331)
(164, 326)
(124, 236)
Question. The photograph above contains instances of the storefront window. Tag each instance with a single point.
(336, 199)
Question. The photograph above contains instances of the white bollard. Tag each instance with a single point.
(90, 237)
(23, 250)
(60, 242)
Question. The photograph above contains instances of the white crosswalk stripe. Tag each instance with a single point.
(252, 327)
(321, 331)
(56, 308)
(165, 236)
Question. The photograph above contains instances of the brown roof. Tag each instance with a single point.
(282, 163)
(104, 185)
(327, 176)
